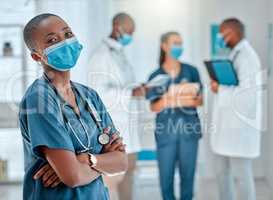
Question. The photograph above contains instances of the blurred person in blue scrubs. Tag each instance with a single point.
(238, 115)
(178, 127)
(69, 138)
(112, 75)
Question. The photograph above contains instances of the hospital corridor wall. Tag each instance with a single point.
(193, 19)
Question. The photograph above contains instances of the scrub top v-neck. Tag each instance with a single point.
(42, 124)
(171, 122)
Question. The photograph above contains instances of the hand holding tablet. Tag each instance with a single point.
(223, 72)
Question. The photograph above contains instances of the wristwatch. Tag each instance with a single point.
(93, 160)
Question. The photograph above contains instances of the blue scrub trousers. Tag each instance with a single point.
(184, 153)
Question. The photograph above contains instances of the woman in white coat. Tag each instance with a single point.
(238, 115)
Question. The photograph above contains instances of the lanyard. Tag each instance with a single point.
(90, 108)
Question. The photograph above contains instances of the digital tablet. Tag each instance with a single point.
(222, 71)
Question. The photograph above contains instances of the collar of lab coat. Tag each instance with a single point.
(237, 48)
(113, 44)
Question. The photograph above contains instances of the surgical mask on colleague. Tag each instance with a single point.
(176, 51)
(64, 55)
(125, 39)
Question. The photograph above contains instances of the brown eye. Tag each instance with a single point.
(68, 35)
(52, 41)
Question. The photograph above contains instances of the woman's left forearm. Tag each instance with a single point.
(112, 162)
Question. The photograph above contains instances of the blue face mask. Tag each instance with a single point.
(64, 55)
(220, 41)
(125, 39)
(176, 51)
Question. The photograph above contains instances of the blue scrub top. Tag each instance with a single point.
(42, 124)
(173, 122)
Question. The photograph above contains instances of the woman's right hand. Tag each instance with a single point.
(115, 144)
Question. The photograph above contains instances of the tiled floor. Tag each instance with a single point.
(147, 184)
(146, 189)
(207, 191)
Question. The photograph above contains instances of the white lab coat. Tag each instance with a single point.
(112, 76)
(239, 112)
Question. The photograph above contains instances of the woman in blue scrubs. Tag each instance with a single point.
(177, 123)
(69, 138)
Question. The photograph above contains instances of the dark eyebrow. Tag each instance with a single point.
(66, 28)
(49, 34)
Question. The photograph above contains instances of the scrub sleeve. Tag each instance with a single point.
(46, 127)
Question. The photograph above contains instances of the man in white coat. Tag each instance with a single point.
(238, 115)
(112, 76)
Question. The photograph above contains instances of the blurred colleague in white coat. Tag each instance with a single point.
(112, 76)
(238, 116)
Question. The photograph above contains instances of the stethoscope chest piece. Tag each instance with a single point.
(104, 139)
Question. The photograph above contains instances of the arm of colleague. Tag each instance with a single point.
(172, 101)
(185, 89)
(214, 86)
(198, 101)
(139, 91)
(73, 175)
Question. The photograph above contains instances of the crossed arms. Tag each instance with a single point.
(74, 170)
(179, 95)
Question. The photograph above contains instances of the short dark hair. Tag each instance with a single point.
(235, 24)
(31, 26)
(121, 18)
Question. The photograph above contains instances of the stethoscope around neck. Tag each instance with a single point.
(103, 138)
(85, 148)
